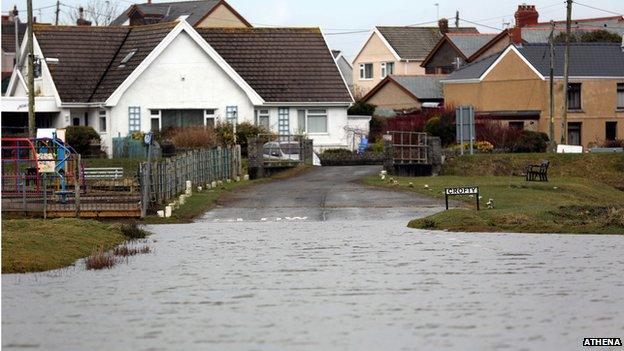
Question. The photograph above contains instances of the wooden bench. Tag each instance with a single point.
(537, 173)
(110, 173)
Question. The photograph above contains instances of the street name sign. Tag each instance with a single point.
(463, 190)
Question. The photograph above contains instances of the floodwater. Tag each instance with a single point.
(335, 285)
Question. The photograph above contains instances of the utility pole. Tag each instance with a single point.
(551, 129)
(16, 25)
(457, 19)
(58, 10)
(31, 74)
(566, 71)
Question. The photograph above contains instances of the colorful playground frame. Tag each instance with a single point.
(26, 162)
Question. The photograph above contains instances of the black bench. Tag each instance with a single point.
(537, 173)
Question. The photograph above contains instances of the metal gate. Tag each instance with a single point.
(409, 147)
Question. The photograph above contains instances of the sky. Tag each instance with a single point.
(347, 23)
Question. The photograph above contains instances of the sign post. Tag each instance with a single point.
(466, 190)
(465, 127)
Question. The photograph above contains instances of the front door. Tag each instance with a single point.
(574, 133)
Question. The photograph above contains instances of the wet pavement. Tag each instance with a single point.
(348, 277)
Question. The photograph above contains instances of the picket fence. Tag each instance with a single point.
(165, 180)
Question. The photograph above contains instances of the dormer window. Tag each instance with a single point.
(127, 58)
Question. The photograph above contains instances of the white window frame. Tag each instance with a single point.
(619, 95)
(134, 115)
(158, 116)
(262, 113)
(363, 71)
(103, 114)
(231, 113)
(316, 113)
(208, 115)
(384, 69)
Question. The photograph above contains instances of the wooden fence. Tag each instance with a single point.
(165, 180)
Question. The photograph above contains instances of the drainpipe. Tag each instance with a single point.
(16, 24)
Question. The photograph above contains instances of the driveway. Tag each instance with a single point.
(323, 194)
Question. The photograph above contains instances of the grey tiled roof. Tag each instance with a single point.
(423, 87)
(469, 43)
(171, 11)
(540, 35)
(415, 43)
(586, 60)
(281, 64)
(88, 68)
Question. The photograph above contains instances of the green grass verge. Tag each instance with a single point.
(34, 245)
(563, 205)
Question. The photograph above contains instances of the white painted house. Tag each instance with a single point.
(122, 79)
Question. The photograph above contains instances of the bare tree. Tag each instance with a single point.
(98, 12)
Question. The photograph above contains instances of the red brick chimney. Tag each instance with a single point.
(81, 21)
(443, 25)
(526, 15)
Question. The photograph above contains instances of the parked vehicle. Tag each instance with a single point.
(282, 150)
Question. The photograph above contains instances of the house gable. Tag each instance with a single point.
(160, 87)
(511, 65)
(223, 15)
(390, 94)
(183, 26)
(376, 49)
(443, 56)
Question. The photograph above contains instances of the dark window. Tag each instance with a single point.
(76, 121)
(574, 133)
(516, 125)
(611, 130)
(430, 70)
(574, 96)
(620, 96)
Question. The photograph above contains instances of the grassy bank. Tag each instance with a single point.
(574, 201)
(34, 245)
(604, 168)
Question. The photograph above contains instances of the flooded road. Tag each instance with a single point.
(309, 284)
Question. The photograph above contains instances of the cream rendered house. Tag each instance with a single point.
(396, 50)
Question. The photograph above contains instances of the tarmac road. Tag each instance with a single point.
(323, 194)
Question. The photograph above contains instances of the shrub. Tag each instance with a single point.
(442, 127)
(362, 108)
(246, 131)
(192, 137)
(377, 146)
(531, 142)
(500, 136)
(484, 147)
(613, 143)
(133, 231)
(99, 259)
(125, 250)
(377, 127)
(80, 137)
(337, 151)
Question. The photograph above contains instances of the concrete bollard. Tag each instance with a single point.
(189, 188)
(214, 184)
(246, 177)
(160, 213)
(228, 180)
(167, 211)
(219, 182)
(199, 189)
(237, 179)
(182, 199)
